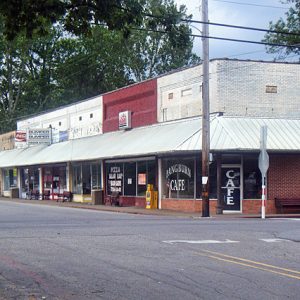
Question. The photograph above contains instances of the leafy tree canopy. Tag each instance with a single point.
(289, 24)
(44, 66)
(76, 15)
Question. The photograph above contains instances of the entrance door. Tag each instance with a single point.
(231, 188)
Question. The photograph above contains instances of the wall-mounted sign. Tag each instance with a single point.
(125, 120)
(20, 136)
(39, 136)
(63, 136)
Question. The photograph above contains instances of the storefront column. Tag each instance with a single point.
(69, 176)
(19, 182)
(159, 182)
(219, 194)
(41, 181)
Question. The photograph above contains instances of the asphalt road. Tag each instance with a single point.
(49, 252)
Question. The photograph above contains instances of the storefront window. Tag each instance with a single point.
(10, 178)
(252, 178)
(77, 182)
(130, 178)
(146, 175)
(86, 179)
(114, 181)
(96, 176)
(55, 180)
(178, 178)
(30, 179)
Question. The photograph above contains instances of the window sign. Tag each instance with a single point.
(142, 179)
(115, 179)
(231, 188)
(179, 179)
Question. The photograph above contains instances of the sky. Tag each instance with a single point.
(249, 13)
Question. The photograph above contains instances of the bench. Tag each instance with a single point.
(34, 194)
(65, 196)
(113, 199)
(291, 203)
(46, 195)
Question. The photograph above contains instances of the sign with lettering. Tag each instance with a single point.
(180, 180)
(115, 179)
(20, 136)
(125, 120)
(231, 188)
(39, 136)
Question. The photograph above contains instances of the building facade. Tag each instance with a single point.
(161, 144)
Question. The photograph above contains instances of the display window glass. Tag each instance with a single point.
(178, 178)
(146, 174)
(130, 178)
(114, 173)
(77, 182)
(252, 178)
(55, 180)
(86, 177)
(10, 177)
(30, 179)
(96, 176)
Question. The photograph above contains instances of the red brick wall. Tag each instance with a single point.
(284, 176)
(140, 99)
(187, 205)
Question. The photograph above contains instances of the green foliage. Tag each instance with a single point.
(291, 24)
(77, 16)
(54, 67)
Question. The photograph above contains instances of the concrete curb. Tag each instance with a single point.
(142, 211)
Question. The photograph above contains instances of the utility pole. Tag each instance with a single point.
(205, 112)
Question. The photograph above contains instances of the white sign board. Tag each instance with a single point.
(39, 136)
(125, 120)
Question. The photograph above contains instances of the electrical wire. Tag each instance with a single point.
(253, 4)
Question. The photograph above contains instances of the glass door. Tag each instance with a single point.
(231, 187)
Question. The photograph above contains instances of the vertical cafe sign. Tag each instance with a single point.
(231, 188)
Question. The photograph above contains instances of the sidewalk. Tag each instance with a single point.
(141, 211)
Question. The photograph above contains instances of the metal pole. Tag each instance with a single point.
(205, 112)
(263, 199)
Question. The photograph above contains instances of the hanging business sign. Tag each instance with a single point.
(39, 136)
(125, 120)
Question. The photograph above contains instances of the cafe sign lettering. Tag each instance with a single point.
(230, 186)
(177, 183)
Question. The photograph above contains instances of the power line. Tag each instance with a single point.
(242, 27)
(224, 25)
(223, 39)
(252, 4)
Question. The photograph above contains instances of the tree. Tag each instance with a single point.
(54, 67)
(76, 15)
(151, 51)
(289, 25)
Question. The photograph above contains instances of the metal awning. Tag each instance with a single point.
(160, 138)
(227, 134)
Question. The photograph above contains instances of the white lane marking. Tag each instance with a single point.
(272, 240)
(201, 242)
(287, 219)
